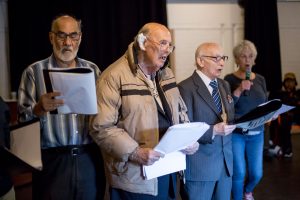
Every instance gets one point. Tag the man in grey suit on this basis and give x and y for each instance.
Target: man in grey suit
(209, 170)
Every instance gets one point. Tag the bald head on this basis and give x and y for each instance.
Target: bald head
(206, 49)
(152, 27)
(210, 59)
(64, 19)
(149, 30)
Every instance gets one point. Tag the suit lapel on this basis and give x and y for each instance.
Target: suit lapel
(223, 96)
(204, 93)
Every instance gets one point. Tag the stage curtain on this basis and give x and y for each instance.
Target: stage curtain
(108, 28)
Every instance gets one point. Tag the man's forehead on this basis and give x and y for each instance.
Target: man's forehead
(213, 49)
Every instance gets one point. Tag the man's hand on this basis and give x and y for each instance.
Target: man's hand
(145, 156)
(48, 103)
(191, 149)
(223, 129)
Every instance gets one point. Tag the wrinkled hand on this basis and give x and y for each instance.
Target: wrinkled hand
(223, 129)
(145, 156)
(191, 149)
(49, 103)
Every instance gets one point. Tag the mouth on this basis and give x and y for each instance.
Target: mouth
(66, 50)
(164, 58)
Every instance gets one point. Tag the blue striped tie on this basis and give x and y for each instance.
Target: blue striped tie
(216, 95)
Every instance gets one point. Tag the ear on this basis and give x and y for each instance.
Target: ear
(199, 61)
(141, 38)
(51, 37)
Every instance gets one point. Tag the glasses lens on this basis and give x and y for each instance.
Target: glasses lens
(74, 36)
(166, 45)
(217, 59)
(224, 58)
(63, 36)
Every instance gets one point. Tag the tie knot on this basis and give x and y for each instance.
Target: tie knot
(213, 84)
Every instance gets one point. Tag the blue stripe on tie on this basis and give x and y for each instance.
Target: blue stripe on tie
(216, 95)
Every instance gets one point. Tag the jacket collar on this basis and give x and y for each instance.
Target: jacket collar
(203, 92)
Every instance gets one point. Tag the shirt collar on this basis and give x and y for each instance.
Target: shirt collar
(205, 78)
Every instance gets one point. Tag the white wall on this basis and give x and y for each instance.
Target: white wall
(289, 23)
(194, 23)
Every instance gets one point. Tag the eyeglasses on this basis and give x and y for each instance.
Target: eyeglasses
(163, 45)
(63, 36)
(217, 59)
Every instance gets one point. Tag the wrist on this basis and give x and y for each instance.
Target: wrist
(39, 110)
(42, 108)
(134, 155)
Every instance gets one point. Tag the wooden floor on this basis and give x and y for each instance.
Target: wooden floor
(281, 180)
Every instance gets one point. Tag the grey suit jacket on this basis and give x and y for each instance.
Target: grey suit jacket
(208, 162)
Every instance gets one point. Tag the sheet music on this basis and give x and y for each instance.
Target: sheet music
(172, 162)
(175, 139)
(265, 118)
(78, 89)
(180, 136)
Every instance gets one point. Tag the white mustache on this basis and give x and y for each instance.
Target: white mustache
(66, 49)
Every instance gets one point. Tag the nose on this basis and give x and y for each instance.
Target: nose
(222, 62)
(68, 41)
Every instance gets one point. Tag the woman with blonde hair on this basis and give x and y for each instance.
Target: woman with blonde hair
(248, 91)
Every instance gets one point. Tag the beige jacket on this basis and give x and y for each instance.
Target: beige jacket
(127, 118)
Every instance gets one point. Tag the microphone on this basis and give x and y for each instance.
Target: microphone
(248, 74)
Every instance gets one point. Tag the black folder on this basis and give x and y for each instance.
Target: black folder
(259, 115)
(260, 111)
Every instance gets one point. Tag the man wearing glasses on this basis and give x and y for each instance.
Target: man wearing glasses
(208, 99)
(72, 163)
(138, 100)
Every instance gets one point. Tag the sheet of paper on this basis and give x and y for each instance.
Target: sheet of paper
(172, 162)
(264, 119)
(78, 90)
(255, 122)
(25, 144)
(176, 138)
(284, 108)
(180, 136)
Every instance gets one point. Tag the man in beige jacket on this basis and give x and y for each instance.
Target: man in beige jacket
(137, 101)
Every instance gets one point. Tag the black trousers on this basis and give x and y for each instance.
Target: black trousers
(285, 134)
(70, 173)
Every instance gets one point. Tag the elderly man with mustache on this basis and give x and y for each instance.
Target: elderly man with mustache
(72, 163)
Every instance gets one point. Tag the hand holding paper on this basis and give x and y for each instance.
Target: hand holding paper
(145, 156)
(191, 149)
(77, 88)
(177, 138)
(48, 103)
(223, 129)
